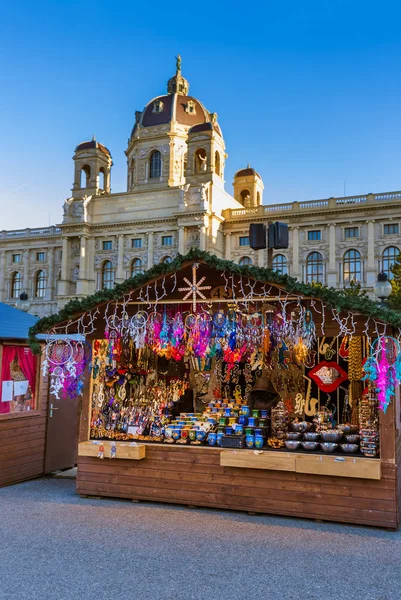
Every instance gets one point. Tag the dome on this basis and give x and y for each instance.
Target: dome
(92, 144)
(249, 171)
(205, 127)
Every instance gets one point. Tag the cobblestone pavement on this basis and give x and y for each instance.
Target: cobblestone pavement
(56, 545)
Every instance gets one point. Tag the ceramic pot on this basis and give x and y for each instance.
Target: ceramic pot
(223, 421)
(256, 413)
(219, 438)
(214, 409)
(262, 422)
(248, 431)
(176, 434)
(192, 435)
(252, 422)
(184, 434)
(227, 412)
(245, 411)
(242, 420)
(232, 421)
(200, 435)
(212, 439)
(250, 441)
(229, 430)
(264, 414)
(239, 430)
(258, 431)
(259, 441)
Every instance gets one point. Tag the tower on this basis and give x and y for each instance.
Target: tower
(92, 169)
(248, 187)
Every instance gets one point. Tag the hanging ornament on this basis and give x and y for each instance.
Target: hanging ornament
(195, 288)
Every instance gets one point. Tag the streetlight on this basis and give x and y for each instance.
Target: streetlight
(23, 302)
(382, 288)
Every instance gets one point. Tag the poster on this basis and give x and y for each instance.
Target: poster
(20, 388)
(7, 391)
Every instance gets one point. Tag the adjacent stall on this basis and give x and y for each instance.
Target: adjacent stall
(209, 384)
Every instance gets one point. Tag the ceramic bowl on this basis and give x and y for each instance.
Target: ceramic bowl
(352, 439)
(292, 444)
(311, 436)
(333, 436)
(328, 447)
(310, 445)
(302, 426)
(291, 435)
(349, 448)
(347, 428)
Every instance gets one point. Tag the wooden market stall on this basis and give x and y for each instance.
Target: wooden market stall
(235, 387)
(23, 400)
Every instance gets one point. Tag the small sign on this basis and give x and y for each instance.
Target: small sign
(7, 391)
(20, 388)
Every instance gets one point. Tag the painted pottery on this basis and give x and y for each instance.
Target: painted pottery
(176, 434)
(252, 422)
(219, 438)
(259, 441)
(264, 414)
(212, 439)
(239, 430)
(192, 435)
(200, 435)
(229, 430)
(245, 411)
(242, 420)
(248, 431)
(256, 413)
(250, 441)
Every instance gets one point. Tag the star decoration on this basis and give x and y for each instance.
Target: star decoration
(195, 288)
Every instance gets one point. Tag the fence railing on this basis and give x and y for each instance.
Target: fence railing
(53, 230)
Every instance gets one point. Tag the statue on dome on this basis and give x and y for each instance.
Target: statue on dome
(178, 63)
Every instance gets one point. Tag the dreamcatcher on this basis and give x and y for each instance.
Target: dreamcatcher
(383, 368)
(65, 363)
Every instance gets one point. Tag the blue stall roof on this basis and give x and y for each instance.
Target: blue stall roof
(14, 323)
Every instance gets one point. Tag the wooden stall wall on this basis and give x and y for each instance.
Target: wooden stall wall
(22, 440)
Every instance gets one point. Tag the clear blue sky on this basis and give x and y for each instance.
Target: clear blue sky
(307, 92)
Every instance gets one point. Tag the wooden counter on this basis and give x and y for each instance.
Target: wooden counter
(289, 485)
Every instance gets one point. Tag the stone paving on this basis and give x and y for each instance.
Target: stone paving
(58, 546)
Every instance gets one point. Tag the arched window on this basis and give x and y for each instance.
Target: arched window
(352, 266)
(166, 259)
(280, 264)
(155, 165)
(136, 267)
(40, 284)
(85, 176)
(388, 260)
(107, 275)
(200, 160)
(314, 268)
(258, 198)
(245, 198)
(217, 164)
(131, 174)
(245, 260)
(15, 285)
(102, 179)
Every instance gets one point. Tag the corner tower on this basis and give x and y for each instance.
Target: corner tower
(248, 187)
(92, 169)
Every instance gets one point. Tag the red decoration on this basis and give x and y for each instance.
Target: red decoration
(328, 387)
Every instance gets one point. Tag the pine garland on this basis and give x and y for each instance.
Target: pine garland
(338, 299)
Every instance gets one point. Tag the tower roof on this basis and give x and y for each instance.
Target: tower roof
(92, 144)
(249, 171)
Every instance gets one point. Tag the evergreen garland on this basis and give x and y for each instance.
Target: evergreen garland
(341, 300)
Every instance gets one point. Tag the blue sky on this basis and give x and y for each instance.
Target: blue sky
(308, 93)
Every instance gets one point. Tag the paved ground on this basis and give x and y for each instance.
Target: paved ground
(55, 545)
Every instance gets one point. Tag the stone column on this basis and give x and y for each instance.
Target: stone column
(90, 265)
(371, 274)
(25, 280)
(227, 246)
(295, 252)
(181, 240)
(150, 249)
(82, 277)
(261, 258)
(203, 238)
(120, 260)
(50, 282)
(332, 275)
(64, 284)
(3, 280)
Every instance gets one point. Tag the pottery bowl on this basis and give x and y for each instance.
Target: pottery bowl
(328, 447)
(302, 426)
(291, 435)
(349, 448)
(348, 428)
(311, 436)
(352, 439)
(332, 436)
(310, 445)
(292, 444)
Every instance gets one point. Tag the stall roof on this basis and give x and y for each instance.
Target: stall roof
(342, 300)
(14, 323)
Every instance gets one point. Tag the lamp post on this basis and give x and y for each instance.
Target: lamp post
(23, 302)
(382, 288)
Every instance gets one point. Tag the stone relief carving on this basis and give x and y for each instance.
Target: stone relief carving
(77, 209)
(193, 195)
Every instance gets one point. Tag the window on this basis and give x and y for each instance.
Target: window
(166, 259)
(136, 267)
(107, 245)
(314, 267)
(15, 285)
(388, 260)
(155, 165)
(190, 107)
(107, 275)
(200, 160)
(244, 240)
(20, 365)
(391, 229)
(351, 232)
(102, 179)
(16, 258)
(280, 264)
(40, 284)
(245, 260)
(136, 243)
(167, 240)
(315, 235)
(41, 256)
(158, 106)
(246, 198)
(352, 266)
(217, 163)
(85, 176)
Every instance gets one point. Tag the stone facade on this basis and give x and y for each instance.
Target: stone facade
(175, 200)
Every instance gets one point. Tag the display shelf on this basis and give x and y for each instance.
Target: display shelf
(340, 466)
(124, 450)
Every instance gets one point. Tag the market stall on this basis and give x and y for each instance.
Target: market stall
(209, 384)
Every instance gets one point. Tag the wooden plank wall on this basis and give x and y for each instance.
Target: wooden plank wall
(22, 441)
(193, 476)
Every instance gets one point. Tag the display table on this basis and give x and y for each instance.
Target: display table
(357, 490)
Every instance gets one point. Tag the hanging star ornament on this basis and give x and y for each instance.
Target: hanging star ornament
(195, 288)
